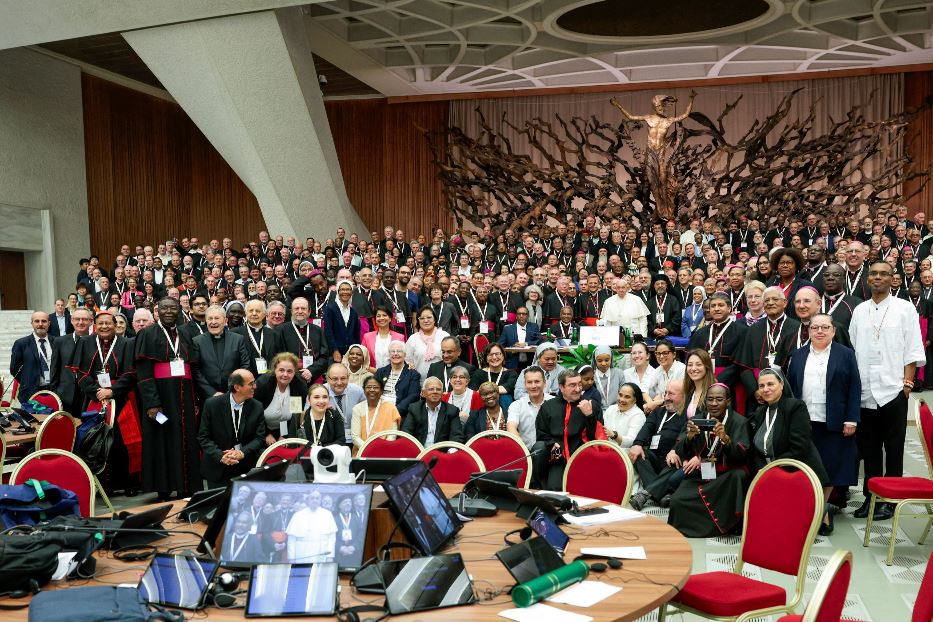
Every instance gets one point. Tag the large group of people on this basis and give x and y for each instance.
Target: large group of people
(800, 339)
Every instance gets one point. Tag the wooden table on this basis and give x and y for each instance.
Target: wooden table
(23, 439)
(645, 583)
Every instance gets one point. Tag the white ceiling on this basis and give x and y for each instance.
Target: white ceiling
(411, 47)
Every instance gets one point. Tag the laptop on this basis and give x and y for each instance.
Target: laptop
(149, 520)
(380, 469)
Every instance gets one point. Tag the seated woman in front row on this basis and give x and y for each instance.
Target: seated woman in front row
(373, 415)
(710, 500)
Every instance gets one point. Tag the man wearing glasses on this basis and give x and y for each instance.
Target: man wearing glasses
(232, 432)
(197, 325)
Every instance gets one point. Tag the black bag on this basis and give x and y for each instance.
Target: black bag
(95, 446)
(32, 559)
(95, 604)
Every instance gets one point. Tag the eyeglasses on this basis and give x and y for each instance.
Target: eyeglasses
(662, 352)
(819, 328)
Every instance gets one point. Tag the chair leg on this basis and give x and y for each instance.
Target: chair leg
(926, 530)
(891, 539)
(871, 514)
(103, 494)
(662, 612)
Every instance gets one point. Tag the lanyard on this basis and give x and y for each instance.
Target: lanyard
(712, 449)
(769, 425)
(736, 300)
(236, 415)
(715, 342)
(498, 419)
(460, 304)
(665, 419)
(661, 301)
(104, 359)
(772, 342)
(315, 430)
(594, 300)
(391, 298)
(371, 424)
(498, 378)
(832, 308)
(850, 284)
(304, 340)
(262, 337)
(173, 346)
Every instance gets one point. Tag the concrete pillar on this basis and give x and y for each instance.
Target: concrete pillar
(249, 83)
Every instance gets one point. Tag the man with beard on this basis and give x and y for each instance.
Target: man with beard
(836, 303)
(103, 364)
(304, 340)
(167, 395)
(260, 339)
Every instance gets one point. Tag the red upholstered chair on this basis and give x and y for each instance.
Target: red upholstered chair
(62, 468)
(282, 449)
(6, 402)
(498, 448)
(829, 595)
(7, 468)
(480, 342)
(391, 444)
(601, 470)
(452, 468)
(47, 399)
(902, 491)
(923, 607)
(777, 536)
(58, 431)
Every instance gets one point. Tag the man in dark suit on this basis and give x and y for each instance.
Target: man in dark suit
(260, 339)
(217, 354)
(430, 420)
(60, 321)
(305, 340)
(450, 358)
(244, 546)
(520, 334)
(31, 358)
(63, 380)
(232, 433)
(195, 326)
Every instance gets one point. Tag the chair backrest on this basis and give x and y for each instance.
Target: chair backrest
(62, 468)
(829, 594)
(480, 341)
(284, 448)
(452, 468)
(57, 432)
(497, 448)
(923, 607)
(925, 430)
(601, 470)
(778, 535)
(47, 399)
(391, 444)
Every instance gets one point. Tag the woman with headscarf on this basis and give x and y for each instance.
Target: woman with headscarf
(664, 312)
(606, 378)
(547, 359)
(341, 321)
(624, 419)
(710, 500)
(357, 362)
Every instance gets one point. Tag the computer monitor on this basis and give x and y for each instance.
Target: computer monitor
(530, 559)
(424, 583)
(430, 521)
(296, 523)
(292, 590)
(176, 580)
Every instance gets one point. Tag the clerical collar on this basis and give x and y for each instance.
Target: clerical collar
(777, 319)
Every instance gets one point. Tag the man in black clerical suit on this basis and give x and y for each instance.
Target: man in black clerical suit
(430, 420)
(217, 354)
(63, 380)
(260, 339)
(305, 340)
(232, 432)
(243, 546)
(450, 358)
(196, 326)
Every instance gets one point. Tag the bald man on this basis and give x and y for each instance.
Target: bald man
(141, 319)
(63, 381)
(431, 420)
(260, 339)
(31, 357)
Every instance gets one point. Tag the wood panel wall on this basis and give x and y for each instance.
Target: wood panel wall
(386, 163)
(152, 175)
(918, 86)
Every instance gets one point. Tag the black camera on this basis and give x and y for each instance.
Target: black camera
(706, 425)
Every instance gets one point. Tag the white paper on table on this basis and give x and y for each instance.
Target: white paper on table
(584, 594)
(66, 565)
(614, 514)
(619, 552)
(379, 488)
(540, 612)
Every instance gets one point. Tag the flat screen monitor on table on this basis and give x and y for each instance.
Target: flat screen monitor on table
(423, 583)
(430, 521)
(176, 580)
(292, 590)
(296, 523)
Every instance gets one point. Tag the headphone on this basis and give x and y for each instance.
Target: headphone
(223, 590)
(524, 533)
(352, 614)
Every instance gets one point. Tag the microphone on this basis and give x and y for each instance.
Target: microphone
(197, 503)
(468, 505)
(469, 485)
(369, 579)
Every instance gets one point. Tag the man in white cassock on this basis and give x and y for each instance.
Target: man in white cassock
(624, 309)
(312, 533)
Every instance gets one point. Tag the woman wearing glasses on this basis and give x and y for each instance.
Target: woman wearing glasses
(669, 368)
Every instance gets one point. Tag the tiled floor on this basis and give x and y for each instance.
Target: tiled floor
(878, 593)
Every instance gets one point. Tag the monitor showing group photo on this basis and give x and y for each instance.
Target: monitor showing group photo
(296, 523)
(430, 521)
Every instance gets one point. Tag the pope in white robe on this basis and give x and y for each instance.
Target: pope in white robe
(312, 533)
(624, 309)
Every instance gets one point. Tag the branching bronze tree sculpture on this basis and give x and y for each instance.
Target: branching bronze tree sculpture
(778, 168)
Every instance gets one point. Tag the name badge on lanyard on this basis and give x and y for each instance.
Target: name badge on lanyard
(707, 470)
(483, 328)
(261, 366)
(103, 380)
(655, 441)
(306, 361)
(771, 358)
(659, 317)
(399, 317)
(464, 321)
(176, 367)
(317, 322)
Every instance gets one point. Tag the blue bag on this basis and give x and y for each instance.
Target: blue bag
(34, 502)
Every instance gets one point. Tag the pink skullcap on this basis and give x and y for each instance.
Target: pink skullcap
(815, 290)
(720, 384)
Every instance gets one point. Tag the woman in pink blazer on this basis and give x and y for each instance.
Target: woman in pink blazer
(377, 341)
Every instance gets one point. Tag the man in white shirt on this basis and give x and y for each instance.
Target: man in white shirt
(885, 334)
(625, 310)
(523, 412)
